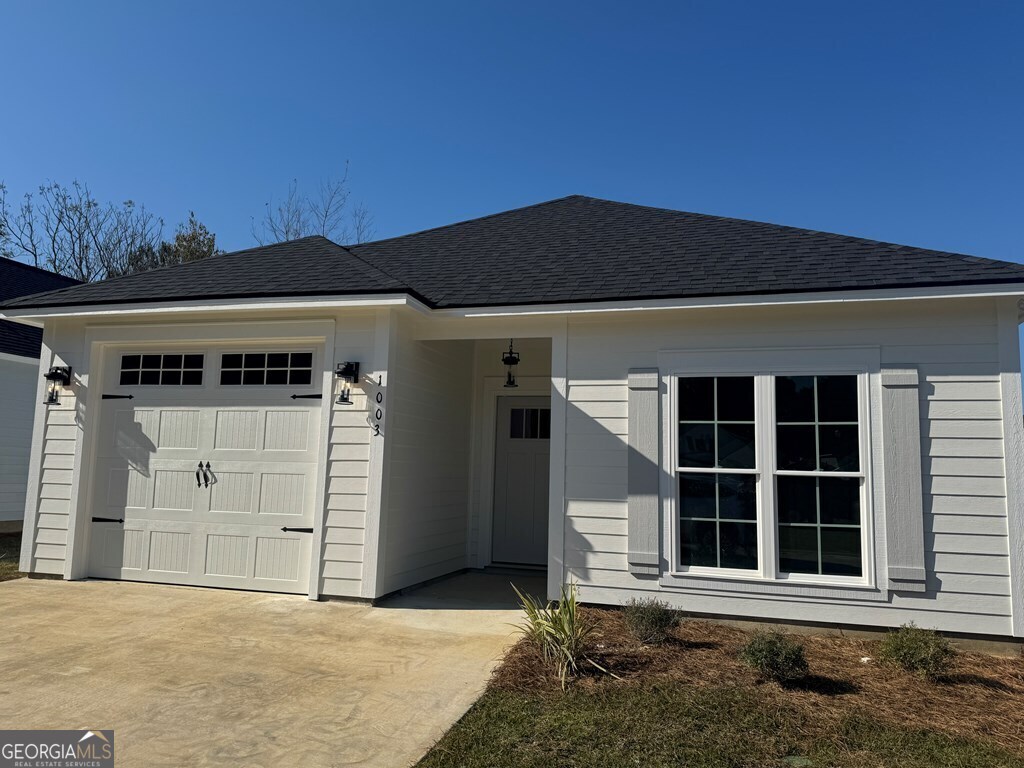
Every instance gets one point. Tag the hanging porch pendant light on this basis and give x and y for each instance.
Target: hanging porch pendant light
(510, 360)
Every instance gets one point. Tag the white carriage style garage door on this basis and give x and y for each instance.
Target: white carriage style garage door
(206, 474)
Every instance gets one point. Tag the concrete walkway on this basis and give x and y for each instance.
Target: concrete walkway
(220, 678)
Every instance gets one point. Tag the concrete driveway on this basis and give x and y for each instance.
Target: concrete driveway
(210, 677)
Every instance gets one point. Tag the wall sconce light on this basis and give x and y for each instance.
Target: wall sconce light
(349, 374)
(58, 376)
(510, 359)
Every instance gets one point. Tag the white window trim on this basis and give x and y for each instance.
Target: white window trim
(764, 364)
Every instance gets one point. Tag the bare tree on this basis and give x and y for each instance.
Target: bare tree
(192, 242)
(328, 213)
(66, 230)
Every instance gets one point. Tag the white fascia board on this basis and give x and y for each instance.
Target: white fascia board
(31, 316)
(36, 316)
(760, 300)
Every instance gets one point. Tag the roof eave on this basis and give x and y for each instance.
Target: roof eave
(37, 315)
(739, 300)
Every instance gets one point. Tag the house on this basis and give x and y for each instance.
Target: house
(739, 418)
(19, 371)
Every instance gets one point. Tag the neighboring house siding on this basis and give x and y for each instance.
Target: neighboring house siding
(954, 346)
(18, 384)
(424, 526)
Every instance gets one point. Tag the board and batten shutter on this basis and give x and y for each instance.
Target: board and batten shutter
(904, 494)
(644, 475)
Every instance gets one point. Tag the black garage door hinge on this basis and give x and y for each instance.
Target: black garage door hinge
(108, 519)
(286, 529)
(117, 397)
(307, 397)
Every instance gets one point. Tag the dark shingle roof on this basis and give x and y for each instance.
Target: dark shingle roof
(573, 249)
(309, 266)
(17, 279)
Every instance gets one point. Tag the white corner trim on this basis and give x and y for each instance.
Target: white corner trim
(556, 479)
(1013, 447)
(316, 559)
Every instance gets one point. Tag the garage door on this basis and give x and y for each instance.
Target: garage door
(206, 467)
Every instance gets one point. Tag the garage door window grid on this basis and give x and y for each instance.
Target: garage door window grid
(162, 370)
(266, 368)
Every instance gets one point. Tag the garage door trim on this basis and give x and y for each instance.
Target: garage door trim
(103, 339)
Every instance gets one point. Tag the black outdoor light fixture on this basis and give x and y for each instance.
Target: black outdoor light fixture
(510, 360)
(58, 376)
(349, 374)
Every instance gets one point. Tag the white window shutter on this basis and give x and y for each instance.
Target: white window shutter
(644, 472)
(904, 494)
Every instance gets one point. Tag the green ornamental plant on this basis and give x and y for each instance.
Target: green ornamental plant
(650, 620)
(775, 656)
(920, 651)
(560, 631)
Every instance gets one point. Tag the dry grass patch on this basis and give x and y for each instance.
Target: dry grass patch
(10, 551)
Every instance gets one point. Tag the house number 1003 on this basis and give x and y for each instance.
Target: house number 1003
(378, 412)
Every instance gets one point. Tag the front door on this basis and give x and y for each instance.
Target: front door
(522, 450)
(205, 475)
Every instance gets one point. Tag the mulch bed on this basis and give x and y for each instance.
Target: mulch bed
(982, 696)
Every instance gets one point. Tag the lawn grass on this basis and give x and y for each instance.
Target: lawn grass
(10, 551)
(658, 726)
(691, 702)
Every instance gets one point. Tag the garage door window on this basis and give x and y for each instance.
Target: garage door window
(266, 368)
(161, 370)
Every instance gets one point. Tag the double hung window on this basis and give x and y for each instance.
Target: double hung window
(769, 476)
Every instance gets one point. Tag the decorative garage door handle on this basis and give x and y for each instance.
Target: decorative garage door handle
(286, 529)
(108, 519)
(205, 481)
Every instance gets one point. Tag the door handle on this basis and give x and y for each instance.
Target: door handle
(199, 483)
(206, 478)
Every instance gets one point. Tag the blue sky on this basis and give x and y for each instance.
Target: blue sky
(899, 121)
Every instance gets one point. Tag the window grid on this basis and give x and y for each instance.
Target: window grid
(266, 368)
(717, 471)
(530, 423)
(172, 369)
(818, 473)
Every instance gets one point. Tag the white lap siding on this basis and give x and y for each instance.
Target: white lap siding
(349, 461)
(56, 447)
(19, 378)
(424, 522)
(954, 346)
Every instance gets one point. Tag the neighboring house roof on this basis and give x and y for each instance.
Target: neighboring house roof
(570, 250)
(17, 279)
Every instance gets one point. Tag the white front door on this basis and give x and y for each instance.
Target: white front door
(520, 529)
(210, 483)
